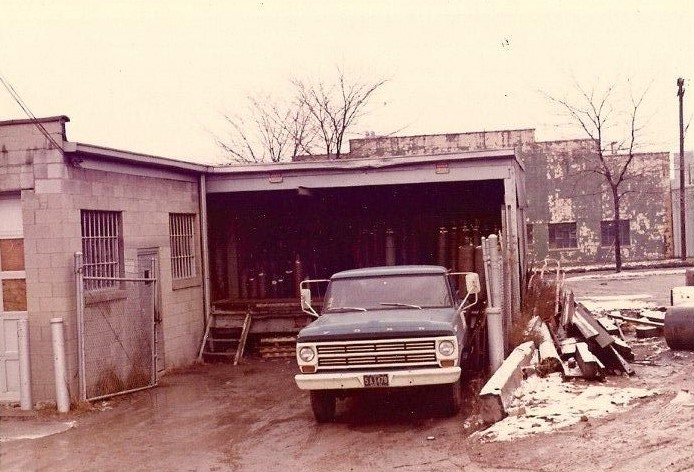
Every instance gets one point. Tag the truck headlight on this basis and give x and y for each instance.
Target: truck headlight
(446, 348)
(307, 354)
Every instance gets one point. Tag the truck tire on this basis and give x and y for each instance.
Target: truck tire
(451, 398)
(323, 404)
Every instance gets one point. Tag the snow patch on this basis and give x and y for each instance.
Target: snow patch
(544, 405)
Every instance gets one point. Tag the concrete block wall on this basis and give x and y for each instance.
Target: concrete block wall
(53, 193)
(438, 143)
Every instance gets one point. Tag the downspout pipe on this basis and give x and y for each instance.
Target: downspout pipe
(205, 249)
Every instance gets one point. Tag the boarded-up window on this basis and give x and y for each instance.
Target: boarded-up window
(607, 233)
(102, 247)
(562, 235)
(182, 239)
(11, 254)
(14, 295)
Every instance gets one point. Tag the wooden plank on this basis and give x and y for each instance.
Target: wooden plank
(242, 340)
(602, 337)
(11, 254)
(14, 295)
(609, 325)
(285, 339)
(623, 348)
(568, 347)
(623, 364)
(589, 364)
(643, 321)
(276, 355)
(648, 331)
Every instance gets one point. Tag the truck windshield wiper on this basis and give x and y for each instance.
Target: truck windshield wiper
(339, 309)
(407, 305)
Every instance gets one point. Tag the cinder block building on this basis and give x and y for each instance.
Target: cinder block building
(121, 210)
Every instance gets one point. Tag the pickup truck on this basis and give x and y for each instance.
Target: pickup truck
(381, 328)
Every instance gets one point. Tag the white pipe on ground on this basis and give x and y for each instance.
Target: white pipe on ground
(62, 396)
(25, 400)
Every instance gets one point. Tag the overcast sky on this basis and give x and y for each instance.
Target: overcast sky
(156, 77)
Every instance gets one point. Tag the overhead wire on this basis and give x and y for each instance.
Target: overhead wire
(17, 98)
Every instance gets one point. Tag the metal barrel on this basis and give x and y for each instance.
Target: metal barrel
(679, 327)
(441, 251)
(479, 268)
(390, 247)
(452, 248)
(298, 275)
(466, 258)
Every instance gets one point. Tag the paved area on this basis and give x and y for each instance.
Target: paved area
(253, 418)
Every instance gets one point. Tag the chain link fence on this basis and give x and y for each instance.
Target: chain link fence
(116, 334)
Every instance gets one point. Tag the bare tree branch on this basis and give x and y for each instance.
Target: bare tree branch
(593, 112)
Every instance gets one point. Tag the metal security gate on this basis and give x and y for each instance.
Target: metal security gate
(116, 332)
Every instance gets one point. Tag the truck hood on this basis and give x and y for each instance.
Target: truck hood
(388, 323)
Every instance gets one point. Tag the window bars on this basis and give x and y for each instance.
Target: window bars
(181, 234)
(102, 247)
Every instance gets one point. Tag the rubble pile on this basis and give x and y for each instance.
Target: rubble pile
(574, 343)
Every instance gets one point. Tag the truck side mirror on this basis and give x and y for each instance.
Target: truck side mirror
(306, 299)
(472, 283)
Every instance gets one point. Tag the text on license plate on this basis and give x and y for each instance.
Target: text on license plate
(376, 380)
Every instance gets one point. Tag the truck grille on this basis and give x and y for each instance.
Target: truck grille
(398, 353)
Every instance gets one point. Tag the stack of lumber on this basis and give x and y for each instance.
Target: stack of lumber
(590, 346)
(273, 347)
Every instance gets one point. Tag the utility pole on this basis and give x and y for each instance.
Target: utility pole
(683, 233)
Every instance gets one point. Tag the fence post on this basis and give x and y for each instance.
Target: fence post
(495, 323)
(62, 396)
(79, 293)
(25, 400)
(155, 341)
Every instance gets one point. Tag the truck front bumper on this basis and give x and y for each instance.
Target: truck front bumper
(397, 378)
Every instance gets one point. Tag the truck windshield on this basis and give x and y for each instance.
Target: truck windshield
(390, 292)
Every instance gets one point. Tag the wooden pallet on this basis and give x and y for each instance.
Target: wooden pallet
(277, 347)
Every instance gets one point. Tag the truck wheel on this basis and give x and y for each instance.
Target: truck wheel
(451, 398)
(323, 405)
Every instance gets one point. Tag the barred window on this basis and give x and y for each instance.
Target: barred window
(562, 235)
(181, 234)
(607, 233)
(102, 247)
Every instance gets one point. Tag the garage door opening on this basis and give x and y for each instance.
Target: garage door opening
(264, 243)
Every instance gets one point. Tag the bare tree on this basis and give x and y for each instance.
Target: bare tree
(595, 113)
(269, 131)
(315, 121)
(335, 108)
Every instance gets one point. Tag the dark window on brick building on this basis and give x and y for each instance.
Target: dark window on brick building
(529, 232)
(607, 233)
(562, 235)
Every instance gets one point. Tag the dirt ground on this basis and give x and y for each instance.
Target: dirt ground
(253, 418)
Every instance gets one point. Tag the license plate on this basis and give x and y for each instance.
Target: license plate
(376, 380)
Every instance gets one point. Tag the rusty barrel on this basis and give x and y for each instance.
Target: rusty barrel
(679, 327)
